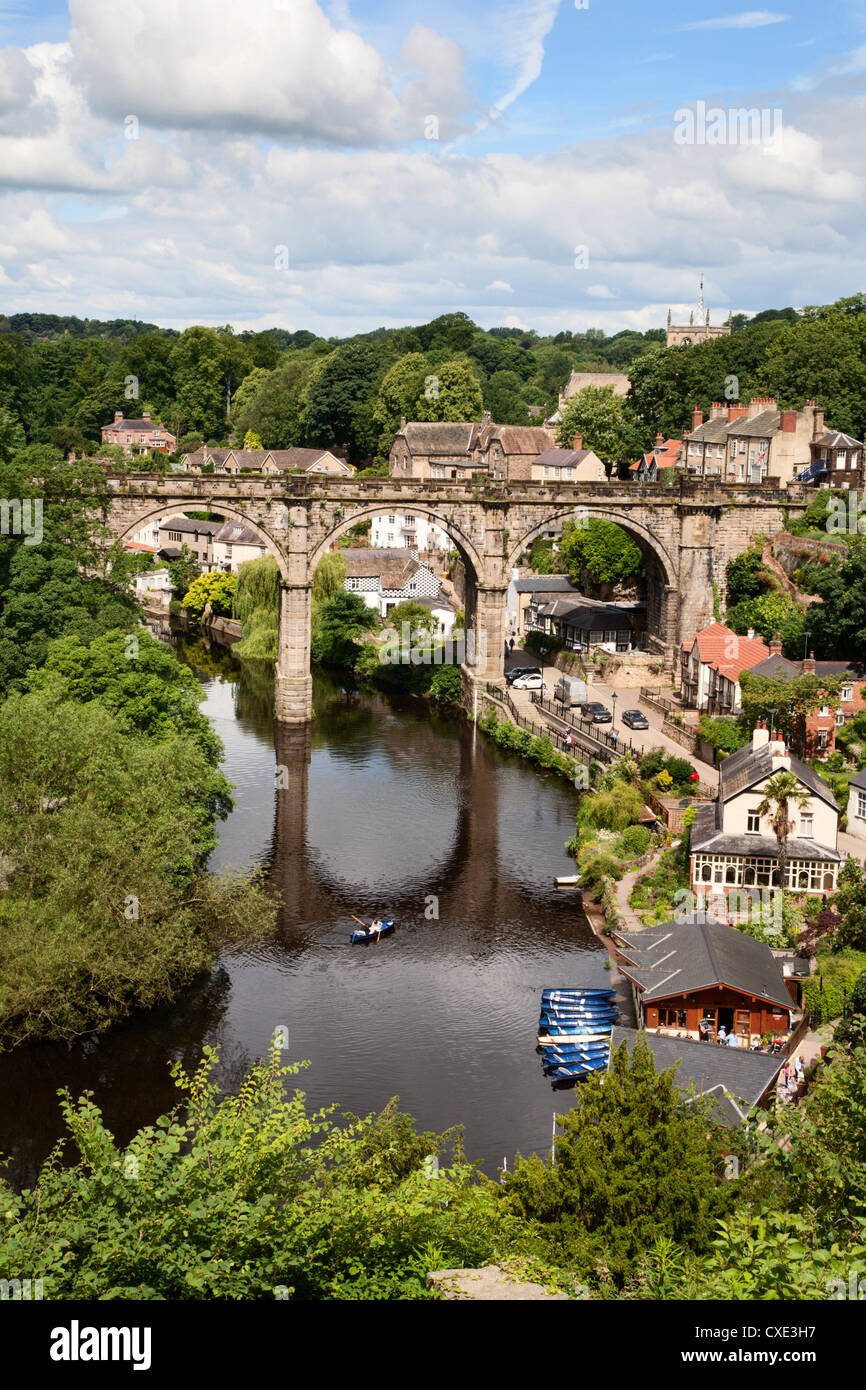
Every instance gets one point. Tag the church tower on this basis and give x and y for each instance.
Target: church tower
(697, 330)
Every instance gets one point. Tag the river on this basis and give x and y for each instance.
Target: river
(381, 807)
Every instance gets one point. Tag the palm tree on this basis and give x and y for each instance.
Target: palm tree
(782, 794)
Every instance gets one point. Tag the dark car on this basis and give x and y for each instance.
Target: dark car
(596, 712)
(516, 671)
(633, 719)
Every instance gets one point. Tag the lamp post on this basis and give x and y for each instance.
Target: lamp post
(772, 713)
(613, 699)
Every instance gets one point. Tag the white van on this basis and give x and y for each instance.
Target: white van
(570, 691)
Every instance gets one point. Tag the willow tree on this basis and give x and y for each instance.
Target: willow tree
(257, 607)
(782, 794)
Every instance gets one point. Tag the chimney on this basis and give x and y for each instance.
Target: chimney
(819, 421)
(402, 422)
(145, 415)
(781, 758)
(760, 736)
(736, 412)
(485, 419)
(809, 665)
(788, 421)
(118, 416)
(697, 417)
(758, 404)
(717, 410)
(578, 441)
(659, 440)
(776, 644)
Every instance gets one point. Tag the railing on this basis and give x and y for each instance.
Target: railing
(654, 696)
(496, 693)
(587, 728)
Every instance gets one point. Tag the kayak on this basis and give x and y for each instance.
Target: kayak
(386, 928)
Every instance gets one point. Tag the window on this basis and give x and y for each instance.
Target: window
(825, 710)
(732, 448)
(672, 1018)
(807, 826)
(753, 823)
(391, 520)
(410, 520)
(742, 446)
(841, 459)
(840, 719)
(847, 692)
(822, 738)
(861, 805)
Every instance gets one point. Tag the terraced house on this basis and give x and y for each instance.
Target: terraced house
(754, 442)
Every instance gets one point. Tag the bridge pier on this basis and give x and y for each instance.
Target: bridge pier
(293, 684)
(485, 637)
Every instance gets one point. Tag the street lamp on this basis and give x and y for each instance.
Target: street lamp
(772, 713)
(613, 720)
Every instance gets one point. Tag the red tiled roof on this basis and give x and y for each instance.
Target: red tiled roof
(720, 648)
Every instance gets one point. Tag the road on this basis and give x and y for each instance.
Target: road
(627, 698)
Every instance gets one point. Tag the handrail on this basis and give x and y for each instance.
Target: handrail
(589, 730)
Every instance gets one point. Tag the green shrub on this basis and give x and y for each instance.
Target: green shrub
(446, 685)
(823, 1004)
(652, 763)
(598, 867)
(614, 808)
(634, 841)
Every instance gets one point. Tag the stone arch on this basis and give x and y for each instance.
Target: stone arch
(663, 592)
(640, 532)
(178, 508)
(367, 511)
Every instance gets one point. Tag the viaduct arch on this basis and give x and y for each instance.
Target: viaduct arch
(687, 533)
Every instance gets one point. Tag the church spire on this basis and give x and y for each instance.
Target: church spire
(701, 299)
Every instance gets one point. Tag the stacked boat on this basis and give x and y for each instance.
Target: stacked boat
(574, 1031)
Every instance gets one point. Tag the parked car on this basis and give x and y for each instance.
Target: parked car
(633, 719)
(531, 681)
(596, 712)
(570, 691)
(517, 671)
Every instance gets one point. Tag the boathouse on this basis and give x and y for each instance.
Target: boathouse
(692, 978)
(736, 1081)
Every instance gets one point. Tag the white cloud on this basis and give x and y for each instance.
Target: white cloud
(600, 292)
(502, 285)
(746, 19)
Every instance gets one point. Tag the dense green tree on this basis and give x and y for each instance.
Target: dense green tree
(502, 397)
(396, 397)
(786, 703)
(633, 1164)
(197, 365)
(216, 589)
(341, 400)
(745, 577)
(336, 623)
(768, 614)
(839, 623)
(328, 578)
(822, 357)
(600, 552)
(450, 392)
(605, 422)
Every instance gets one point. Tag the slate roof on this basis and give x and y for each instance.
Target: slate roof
(545, 584)
(699, 953)
(517, 439)
(392, 567)
(777, 668)
(760, 426)
(587, 617)
(749, 766)
(142, 424)
(707, 837)
(236, 533)
(562, 458)
(710, 432)
(735, 1078)
(859, 780)
(439, 436)
(835, 439)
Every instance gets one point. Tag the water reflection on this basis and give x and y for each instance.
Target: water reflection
(385, 809)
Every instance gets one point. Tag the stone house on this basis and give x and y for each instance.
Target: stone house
(837, 462)
(234, 544)
(385, 577)
(577, 465)
(734, 848)
(751, 443)
(175, 532)
(463, 449)
(269, 461)
(141, 433)
(711, 665)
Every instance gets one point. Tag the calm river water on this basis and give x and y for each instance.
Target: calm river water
(386, 810)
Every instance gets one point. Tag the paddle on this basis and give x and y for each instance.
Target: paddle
(364, 925)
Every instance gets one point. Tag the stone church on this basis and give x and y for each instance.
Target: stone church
(697, 332)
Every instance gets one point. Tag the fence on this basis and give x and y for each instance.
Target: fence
(496, 695)
(655, 697)
(611, 741)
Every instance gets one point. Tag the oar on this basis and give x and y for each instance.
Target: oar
(357, 919)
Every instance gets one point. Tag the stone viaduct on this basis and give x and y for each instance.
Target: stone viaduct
(686, 533)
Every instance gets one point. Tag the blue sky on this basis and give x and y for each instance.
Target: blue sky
(306, 125)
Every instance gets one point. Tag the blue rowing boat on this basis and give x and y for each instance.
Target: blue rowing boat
(368, 935)
(574, 1069)
(577, 993)
(576, 1019)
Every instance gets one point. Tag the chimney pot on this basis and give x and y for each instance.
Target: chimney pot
(578, 441)
(697, 417)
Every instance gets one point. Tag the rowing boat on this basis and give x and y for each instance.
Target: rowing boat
(369, 935)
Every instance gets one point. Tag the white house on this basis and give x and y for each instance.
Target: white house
(733, 846)
(155, 584)
(234, 544)
(408, 530)
(857, 805)
(386, 577)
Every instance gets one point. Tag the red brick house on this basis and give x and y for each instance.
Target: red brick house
(818, 733)
(143, 434)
